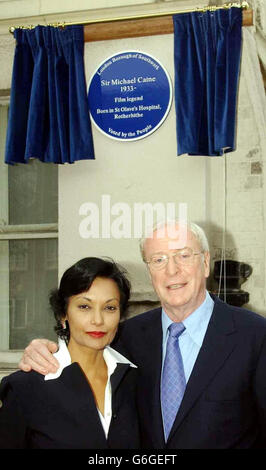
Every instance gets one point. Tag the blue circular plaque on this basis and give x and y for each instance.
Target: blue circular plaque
(129, 95)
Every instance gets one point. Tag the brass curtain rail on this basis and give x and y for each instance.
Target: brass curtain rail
(154, 19)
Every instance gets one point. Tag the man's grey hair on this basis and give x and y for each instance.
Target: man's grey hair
(190, 226)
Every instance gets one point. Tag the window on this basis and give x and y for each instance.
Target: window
(28, 249)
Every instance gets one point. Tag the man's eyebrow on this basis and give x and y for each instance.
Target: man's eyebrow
(165, 252)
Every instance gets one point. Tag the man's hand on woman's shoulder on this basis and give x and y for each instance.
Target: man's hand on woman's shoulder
(38, 356)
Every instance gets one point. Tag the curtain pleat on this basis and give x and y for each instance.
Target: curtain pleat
(207, 52)
(49, 115)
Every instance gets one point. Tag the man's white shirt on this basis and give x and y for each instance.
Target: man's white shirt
(190, 341)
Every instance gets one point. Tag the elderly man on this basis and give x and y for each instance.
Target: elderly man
(202, 363)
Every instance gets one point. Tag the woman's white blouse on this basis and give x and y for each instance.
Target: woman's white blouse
(112, 358)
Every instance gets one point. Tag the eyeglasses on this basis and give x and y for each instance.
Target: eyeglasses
(185, 257)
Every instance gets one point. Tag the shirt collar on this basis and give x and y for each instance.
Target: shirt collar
(111, 357)
(64, 359)
(196, 323)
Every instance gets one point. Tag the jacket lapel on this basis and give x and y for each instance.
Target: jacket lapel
(151, 377)
(217, 346)
(118, 375)
(78, 393)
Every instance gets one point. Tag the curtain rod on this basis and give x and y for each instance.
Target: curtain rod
(244, 5)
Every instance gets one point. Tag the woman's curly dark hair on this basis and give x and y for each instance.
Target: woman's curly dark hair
(78, 278)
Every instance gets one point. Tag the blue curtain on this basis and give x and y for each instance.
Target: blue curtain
(207, 48)
(48, 114)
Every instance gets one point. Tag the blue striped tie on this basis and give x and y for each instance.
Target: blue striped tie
(173, 379)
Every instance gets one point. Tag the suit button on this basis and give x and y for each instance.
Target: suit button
(114, 416)
(1, 403)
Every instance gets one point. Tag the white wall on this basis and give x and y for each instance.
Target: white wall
(143, 171)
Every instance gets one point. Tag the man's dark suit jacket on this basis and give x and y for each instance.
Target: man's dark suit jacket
(224, 405)
(61, 413)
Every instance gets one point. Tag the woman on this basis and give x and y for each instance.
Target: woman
(89, 402)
